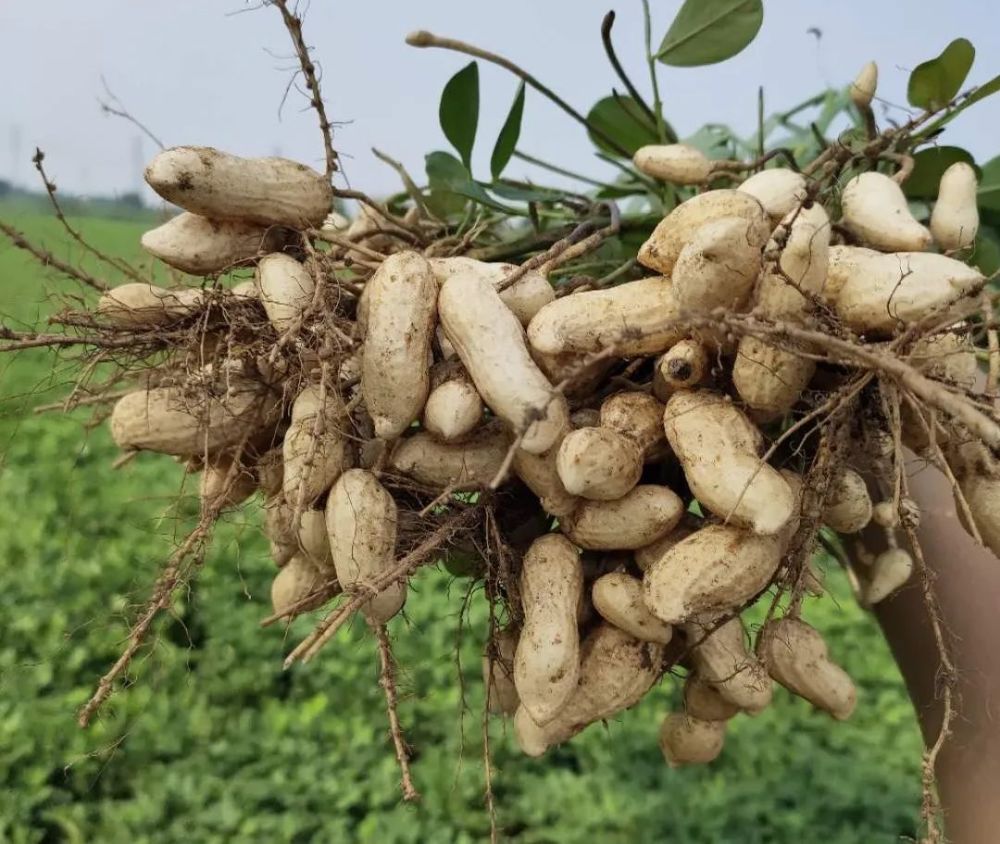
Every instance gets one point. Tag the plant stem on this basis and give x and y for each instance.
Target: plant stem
(666, 134)
(422, 38)
(609, 48)
(563, 172)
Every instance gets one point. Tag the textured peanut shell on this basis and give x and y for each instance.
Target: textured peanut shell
(796, 656)
(779, 190)
(293, 583)
(710, 438)
(598, 463)
(843, 261)
(882, 291)
(675, 231)
(271, 191)
(395, 370)
(955, 218)
(617, 597)
(714, 570)
(314, 540)
(453, 409)
(285, 288)
(703, 701)
(686, 740)
(949, 357)
(200, 246)
(718, 266)
(503, 699)
(525, 297)
(492, 346)
(138, 305)
(677, 163)
(312, 463)
(848, 506)
(616, 670)
(982, 493)
(164, 420)
(217, 490)
(875, 210)
(539, 473)
(547, 659)
(636, 318)
(891, 570)
(638, 416)
(864, 85)
(475, 460)
(649, 554)
(642, 516)
(722, 660)
(361, 524)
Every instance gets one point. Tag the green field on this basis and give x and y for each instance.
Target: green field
(212, 742)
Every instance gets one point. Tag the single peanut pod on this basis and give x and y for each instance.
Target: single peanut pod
(718, 266)
(649, 554)
(474, 461)
(598, 463)
(848, 506)
(864, 85)
(285, 288)
(843, 261)
(675, 231)
(709, 436)
(617, 596)
(540, 475)
(271, 191)
(525, 297)
(616, 670)
(797, 657)
(955, 218)
(703, 701)
(885, 514)
(293, 583)
(677, 163)
(875, 209)
(200, 246)
(361, 524)
(883, 291)
(982, 494)
(634, 318)
(638, 416)
(771, 379)
(164, 420)
(713, 571)
(395, 374)
(547, 659)
(316, 448)
(498, 674)
(686, 740)
(492, 346)
(453, 409)
(641, 516)
(891, 570)
(280, 530)
(314, 540)
(223, 485)
(779, 190)
(723, 660)
(682, 366)
(138, 305)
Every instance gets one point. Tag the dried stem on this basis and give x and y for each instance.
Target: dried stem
(387, 681)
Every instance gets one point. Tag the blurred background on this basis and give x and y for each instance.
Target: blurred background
(212, 742)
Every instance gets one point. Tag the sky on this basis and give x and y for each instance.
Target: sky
(214, 72)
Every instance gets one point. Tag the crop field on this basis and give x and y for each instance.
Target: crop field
(213, 742)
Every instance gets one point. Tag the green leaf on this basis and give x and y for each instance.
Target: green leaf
(934, 83)
(710, 31)
(509, 134)
(981, 93)
(928, 166)
(459, 111)
(986, 254)
(449, 177)
(621, 118)
(989, 185)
